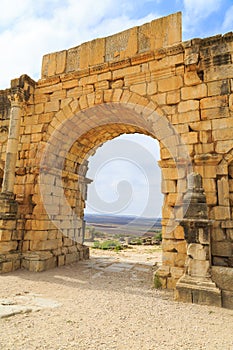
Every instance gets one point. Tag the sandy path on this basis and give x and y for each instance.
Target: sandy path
(109, 303)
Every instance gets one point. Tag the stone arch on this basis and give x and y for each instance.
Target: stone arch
(60, 166)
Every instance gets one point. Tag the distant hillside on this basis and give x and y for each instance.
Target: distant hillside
(109, 221)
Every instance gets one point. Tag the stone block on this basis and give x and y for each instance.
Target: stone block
(122, 73)
(223, 277)
(159, 98)
(6, 266)
(37, 245)
(168, 186)
(223, 134)
(213, 102)
(222, 249)
(173, 97)
(183, 295)
(191, 78)
(92, 53)
(67, 242)
(198, 268)
(207, 297)
(171, 283)
(227, 299)
(17, 235)
(188, 106)
(218, 87)
(61, 62)
(151, 88)
(177, 272)
(218, 234)
(51, 62)
(71, 258)
(39, 266)
(206, 171)
(190, 138)
(171, 83)
(222, 73)
(209, 185)
(194, 92)
(5, 235)
(231, 102)
(36, 235)
(139, 88)
(8, 224)
(102, 85)
(198, 251)
(214, 113)
(201, 125)
(9, 246)
(163, 271)
(61, 260)
(52, 106)
(179, 232)
(221, 213)
(169, 258)
(229, 233)
(187, 117)
(223, 192)
(172, 173)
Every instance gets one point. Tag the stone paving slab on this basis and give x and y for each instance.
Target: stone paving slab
(24, 304)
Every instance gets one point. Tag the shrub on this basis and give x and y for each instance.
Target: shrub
(158, 236)
(157, 282)
(106, 245)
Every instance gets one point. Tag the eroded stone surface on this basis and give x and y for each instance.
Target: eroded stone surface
(138, 81)
(25, 303)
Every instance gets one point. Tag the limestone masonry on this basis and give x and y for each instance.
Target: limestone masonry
(143, 80)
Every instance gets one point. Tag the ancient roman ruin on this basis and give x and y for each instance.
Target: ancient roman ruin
(143, 80)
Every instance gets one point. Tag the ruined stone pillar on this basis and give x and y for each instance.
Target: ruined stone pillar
(196, 285)
(12, 146)
(9, 235)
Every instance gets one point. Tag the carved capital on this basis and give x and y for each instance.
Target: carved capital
(16, 97)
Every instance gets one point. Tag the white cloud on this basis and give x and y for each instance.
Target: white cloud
(31, 29)
(195, 12)
(228, 20)
(127, 179)
(200, 9)
(12, 10)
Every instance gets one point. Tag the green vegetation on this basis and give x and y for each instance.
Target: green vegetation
(158, 236)
(157, 282)
(109, 244)
(136, 241)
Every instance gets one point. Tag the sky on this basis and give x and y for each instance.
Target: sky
(30, 29)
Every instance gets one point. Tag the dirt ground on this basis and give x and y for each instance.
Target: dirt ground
(105, 303)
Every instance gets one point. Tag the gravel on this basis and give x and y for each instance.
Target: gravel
(109, 303)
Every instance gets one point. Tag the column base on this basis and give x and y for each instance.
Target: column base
(198, 291)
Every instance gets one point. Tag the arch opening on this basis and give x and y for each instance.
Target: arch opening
(125, 188)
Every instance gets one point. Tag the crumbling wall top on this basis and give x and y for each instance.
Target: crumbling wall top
(162, 32)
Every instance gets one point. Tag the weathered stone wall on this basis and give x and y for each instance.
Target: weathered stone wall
(142, 80)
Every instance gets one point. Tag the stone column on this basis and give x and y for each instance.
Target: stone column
(196, 285)
(9, 235)
(7, 203)
(12, 146)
